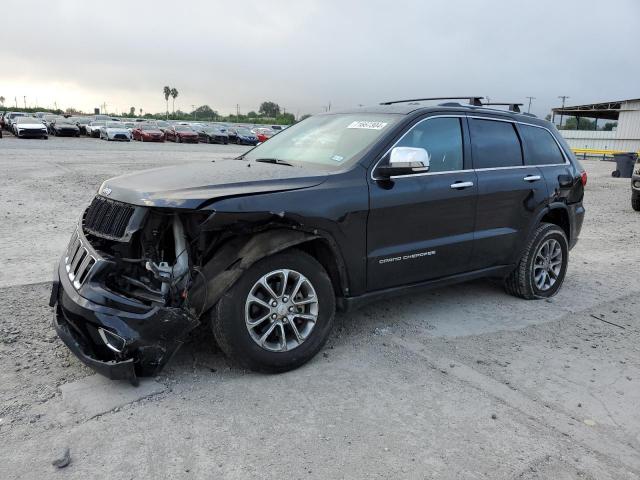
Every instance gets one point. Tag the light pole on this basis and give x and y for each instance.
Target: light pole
(530, 99)
(564, 98)
(195, 115)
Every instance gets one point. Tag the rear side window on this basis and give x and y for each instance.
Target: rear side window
(495, 144)
(541, 148)
(442, 139)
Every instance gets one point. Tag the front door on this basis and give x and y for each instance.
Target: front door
(420, 226)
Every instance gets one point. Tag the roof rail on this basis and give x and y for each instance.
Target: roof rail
(513, 107)
(473, 100)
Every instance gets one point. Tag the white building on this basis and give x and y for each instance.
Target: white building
(626, 136)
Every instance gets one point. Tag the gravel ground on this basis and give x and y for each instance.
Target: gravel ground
(462, 382)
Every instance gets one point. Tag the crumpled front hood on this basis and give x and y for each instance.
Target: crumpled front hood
(192, 185)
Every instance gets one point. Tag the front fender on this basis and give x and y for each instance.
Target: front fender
(234, 258)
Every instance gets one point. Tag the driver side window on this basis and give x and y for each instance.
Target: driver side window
(442, 139)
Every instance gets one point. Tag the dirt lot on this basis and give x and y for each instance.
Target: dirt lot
(462, 382)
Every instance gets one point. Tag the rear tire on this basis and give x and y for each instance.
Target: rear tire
(635, 201)
(233, 312)
(539, 273)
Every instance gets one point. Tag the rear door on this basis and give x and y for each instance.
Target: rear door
(420, 226)
(510, 193)
(542, 149)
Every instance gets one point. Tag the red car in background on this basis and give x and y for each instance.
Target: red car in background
(263, 134)
(147, 133)
(181, 133)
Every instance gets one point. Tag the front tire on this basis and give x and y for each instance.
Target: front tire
(635, 201)
(278, 315)
(543, 265)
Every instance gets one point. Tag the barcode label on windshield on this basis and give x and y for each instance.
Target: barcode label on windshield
(368, 125)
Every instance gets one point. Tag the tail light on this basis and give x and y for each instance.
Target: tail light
(583, 178)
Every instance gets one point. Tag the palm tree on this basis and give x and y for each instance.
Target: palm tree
(174, 94)
(2, 99)
(167, 94)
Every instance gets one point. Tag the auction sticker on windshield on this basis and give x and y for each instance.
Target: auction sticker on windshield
(368, 125)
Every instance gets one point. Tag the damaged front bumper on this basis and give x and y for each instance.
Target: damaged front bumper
(114, 335)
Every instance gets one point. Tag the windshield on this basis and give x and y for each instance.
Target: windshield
(97, 124)
(244, 131)
(162, 123)
(330, 140)
(114, 125)
(183, 128)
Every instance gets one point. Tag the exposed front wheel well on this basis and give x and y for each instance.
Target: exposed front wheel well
(559, 217)
(322, 252)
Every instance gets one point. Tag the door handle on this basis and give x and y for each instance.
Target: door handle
(531, 178)
(461, 185)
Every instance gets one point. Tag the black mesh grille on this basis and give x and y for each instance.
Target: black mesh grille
(107, 218)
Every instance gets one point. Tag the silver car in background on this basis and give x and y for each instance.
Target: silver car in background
(93, 129)
(115, 131)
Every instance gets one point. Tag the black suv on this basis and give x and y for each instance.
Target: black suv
(337, 210)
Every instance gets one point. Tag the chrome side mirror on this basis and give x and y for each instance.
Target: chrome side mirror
(405, 161)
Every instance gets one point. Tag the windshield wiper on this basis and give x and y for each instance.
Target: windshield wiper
(273, 160)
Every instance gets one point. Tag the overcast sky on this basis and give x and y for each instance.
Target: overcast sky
(304, 54)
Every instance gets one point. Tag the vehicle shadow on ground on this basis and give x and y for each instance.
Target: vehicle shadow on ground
(404, 314)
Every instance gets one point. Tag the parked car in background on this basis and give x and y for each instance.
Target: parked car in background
(48, 120)
(64, 127)
(82, 123)
(181, 133)
(162, 125)
(115, 131)
(29, 127)
(93, 129)
(232, 134)
(244, 136)
(9, 118)
(277, 128)
(263, 134)
(213, 134)
(146, 132)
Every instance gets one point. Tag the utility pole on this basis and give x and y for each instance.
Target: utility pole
(564, 98)
(195, 115)
(237, 111)
(530, 99)
(24, 99)
(16, 100)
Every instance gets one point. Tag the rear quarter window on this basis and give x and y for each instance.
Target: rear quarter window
(540, 146)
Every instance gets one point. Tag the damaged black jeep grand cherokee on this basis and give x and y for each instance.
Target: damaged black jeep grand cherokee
(339, 209)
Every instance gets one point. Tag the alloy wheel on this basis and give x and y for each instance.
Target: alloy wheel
(281, 310)
(547, 264)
